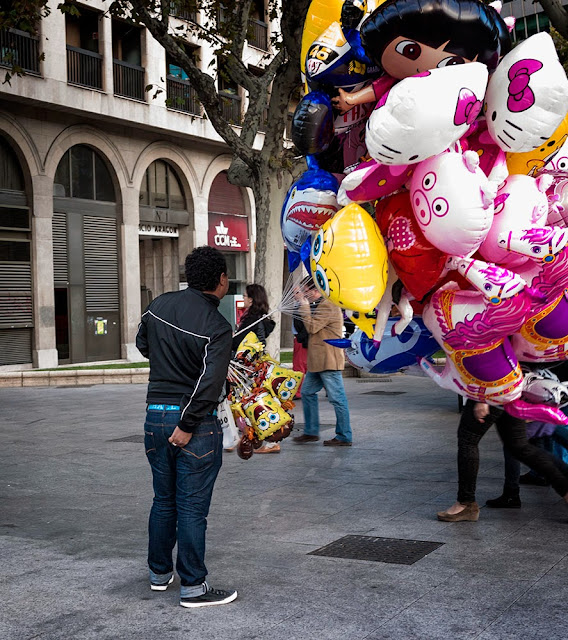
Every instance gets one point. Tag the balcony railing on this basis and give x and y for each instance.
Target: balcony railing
(258, 34)
(182, 96)
(128, 80)
(84, 68)
(178, 11)
(231, 107)
(19, 49)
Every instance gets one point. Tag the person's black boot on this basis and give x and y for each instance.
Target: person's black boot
(530, 478)
(504, 502)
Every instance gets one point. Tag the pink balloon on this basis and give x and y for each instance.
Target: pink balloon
(520, 203)
(452, 200)
(371, 181)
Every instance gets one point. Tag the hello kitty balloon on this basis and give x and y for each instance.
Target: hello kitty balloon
(521, 203)
(425, 114)
(452, 200)
(527, 96)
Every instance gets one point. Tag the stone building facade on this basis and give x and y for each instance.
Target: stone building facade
(104, 188)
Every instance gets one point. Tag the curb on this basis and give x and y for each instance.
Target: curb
(73, 377)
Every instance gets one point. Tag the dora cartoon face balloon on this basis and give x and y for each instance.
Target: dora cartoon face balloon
(407, 37)
(283, 383)
(348, 260)
(265, 414)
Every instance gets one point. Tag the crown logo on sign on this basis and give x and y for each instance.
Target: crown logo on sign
(221, 229)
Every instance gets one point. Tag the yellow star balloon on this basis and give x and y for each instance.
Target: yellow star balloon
(349, 260)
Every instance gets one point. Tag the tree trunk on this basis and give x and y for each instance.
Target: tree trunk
(557, 15)
(269, 192)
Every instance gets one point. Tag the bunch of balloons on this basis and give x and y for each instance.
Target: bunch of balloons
(261, 396)
(420, 112)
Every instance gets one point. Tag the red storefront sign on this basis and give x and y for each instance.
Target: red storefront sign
(228, 232)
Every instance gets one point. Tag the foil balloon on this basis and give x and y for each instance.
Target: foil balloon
(531, 162)
(472, 328)
(527, 96)
(520, 203)
(282, 383)
(544, 336)
(423, 115)
(416, 261)
(409, 37)
(492, 160)
(321, 14)
(452, 200)
(371, 181)
(250, 348)
(265, 414)
(396, 352)
(348, 260)
(310, 202)
(312, 123)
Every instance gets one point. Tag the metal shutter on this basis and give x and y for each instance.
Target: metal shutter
(60, 262)
(225, 197)
(15, 294)
(101, 265)
(15, 346)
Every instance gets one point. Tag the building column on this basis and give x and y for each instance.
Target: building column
(201, 219)
(130, 300)
(105, 49)
(44, 352)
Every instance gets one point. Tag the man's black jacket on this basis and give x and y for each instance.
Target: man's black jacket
(188, 343)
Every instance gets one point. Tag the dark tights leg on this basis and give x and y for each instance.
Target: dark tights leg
(470, 432)
(514, 435)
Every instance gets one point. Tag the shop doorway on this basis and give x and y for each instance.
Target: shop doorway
(85, 259)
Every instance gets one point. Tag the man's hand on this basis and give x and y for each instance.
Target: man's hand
(480, 411)
(180, 438)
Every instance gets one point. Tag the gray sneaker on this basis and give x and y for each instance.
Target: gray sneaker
(209, 598)
(161, 587)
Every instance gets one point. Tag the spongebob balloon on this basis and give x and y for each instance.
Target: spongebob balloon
(348, 260)
(265, 414)
(283, 383)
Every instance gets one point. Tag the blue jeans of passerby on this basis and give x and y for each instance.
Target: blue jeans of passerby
(332, 381)
(183, 480)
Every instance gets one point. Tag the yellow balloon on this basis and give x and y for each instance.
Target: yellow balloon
(282, 383)
(529, 162)
(321, 14)
(349, 261)
(265, 414)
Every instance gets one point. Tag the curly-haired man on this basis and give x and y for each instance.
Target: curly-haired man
(188, 343)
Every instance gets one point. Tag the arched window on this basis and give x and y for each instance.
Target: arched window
(161, 187)
(82, 173)
(16, 300)
(11, 176)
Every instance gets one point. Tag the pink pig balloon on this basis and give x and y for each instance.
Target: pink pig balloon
(521, 203)
(452, 200)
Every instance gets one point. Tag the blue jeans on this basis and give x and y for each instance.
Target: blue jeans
(183, 481)
(332, 381)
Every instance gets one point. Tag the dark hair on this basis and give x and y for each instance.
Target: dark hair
(259, 306)
(472, 28)
(204, 267)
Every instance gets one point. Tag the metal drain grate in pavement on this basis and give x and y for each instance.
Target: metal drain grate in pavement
(390, 550)
(382, 393)
(139, 437)
(375, 379)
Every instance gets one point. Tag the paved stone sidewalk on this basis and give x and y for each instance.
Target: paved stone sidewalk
(73, 513)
